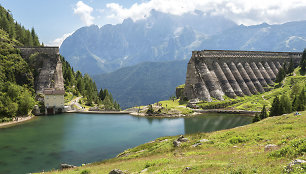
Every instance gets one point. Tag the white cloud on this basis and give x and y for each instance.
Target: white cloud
(241, 11)
(84, 11)
(59, 41)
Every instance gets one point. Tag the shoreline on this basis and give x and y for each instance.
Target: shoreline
(98, 112)
(13, 123)
(196, 113)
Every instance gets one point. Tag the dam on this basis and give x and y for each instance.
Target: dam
(213, 74)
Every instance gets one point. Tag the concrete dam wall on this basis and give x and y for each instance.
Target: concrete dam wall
(215, 73)
(47, 64)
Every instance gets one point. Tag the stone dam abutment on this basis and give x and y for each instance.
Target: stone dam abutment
(213, 74)
(47, 64)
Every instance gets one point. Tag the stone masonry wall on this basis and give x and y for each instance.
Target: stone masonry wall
(215, 73)
(47, 64)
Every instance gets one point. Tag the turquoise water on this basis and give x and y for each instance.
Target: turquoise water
(46, 142)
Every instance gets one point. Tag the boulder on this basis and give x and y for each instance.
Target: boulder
(182, 139)
(116, 171)
(197, 144)
(270, 147)
(67, 166)
(294, 162)
(176, 143)
(204, 140)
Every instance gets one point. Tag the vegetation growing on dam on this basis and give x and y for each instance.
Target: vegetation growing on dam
(291, 86)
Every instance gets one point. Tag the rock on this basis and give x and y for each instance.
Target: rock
(270, 147)
(116, 171)
(187, 168)
(67, 166)
(144, 170)
(204, 140)
(164, 140)
(176, 143)
(182, 139)
(294, 162)
(197, 144)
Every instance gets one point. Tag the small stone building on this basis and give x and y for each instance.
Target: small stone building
(53, 100)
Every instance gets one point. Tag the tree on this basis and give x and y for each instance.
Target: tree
(290, 67)
(280, 75)
(150, 110)
(26, 103)
(303, 61)
(285, 104)
(34, 38)
(275, 108)
(256, 118)
(263, 114)
(301, 101)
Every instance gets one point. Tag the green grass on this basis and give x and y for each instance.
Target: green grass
(237, 150)
(176, 105)
(69, 97)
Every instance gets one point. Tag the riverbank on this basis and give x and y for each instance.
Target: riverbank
(16, 121)
(267, 146)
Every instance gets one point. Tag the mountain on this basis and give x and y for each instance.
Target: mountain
(290, 36)
(160, 37)
(144, 83)
(163, 37)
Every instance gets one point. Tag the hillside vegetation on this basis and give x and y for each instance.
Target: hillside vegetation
(291, 86)
(17, 75)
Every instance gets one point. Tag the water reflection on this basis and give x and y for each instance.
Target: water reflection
(45, 143)
(214, 122)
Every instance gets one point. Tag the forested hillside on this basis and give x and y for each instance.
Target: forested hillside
(77, 84)
(17, 75)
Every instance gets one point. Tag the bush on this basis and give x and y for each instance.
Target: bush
(237, 139)
(294, 149)
(85, 171)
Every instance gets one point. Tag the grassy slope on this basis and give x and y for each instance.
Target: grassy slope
(231, 151)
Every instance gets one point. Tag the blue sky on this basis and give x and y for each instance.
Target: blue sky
(54, 20)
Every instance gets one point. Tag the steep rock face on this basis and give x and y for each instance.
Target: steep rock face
(164, 37)
(160, 37)
(241, 73)
(47, 66)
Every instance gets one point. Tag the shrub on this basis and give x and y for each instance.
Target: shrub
(85, 171)
(294, 149)
(237, 139)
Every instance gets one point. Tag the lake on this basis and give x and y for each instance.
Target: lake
(47, 141)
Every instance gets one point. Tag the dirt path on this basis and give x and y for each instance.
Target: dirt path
(20, 120)
(76, 103)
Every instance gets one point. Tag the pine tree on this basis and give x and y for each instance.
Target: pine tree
(303, 61)
(34, 38)
(275, 108)
(263, 114)
(285, 104)
(256, 118)
(290, 67)
(280, 75)
(301, 101)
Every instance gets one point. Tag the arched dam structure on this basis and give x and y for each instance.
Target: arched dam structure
(215, 73)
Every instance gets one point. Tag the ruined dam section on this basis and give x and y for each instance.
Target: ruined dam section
(215, 73)
(47, 66)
